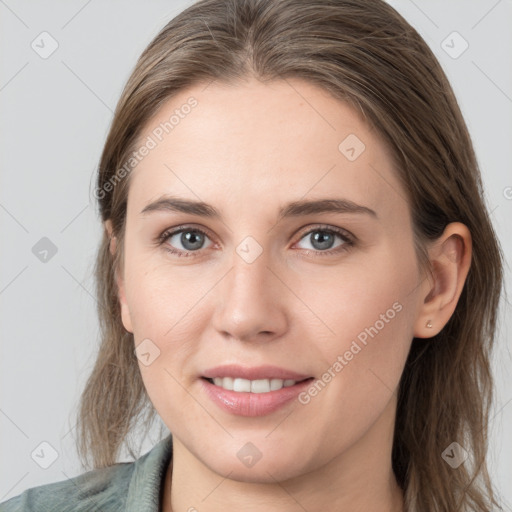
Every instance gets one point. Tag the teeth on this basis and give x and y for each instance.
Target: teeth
(253, 386)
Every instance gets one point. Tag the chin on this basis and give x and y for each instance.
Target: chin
(275, 468)
(261, 475)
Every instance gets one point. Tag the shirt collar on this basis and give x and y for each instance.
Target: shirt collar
(146, 485)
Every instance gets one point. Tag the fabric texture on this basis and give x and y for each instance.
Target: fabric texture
(128, 486)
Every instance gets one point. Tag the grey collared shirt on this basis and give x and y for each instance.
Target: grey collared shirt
(129, 486)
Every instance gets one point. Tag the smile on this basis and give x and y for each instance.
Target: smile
(252, 386)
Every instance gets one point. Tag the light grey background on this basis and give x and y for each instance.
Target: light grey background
(55, 113)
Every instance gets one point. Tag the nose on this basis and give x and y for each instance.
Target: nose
(251, 301)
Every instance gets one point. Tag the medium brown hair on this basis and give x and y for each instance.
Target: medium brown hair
(366, 54)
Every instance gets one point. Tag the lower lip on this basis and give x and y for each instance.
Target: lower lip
(252, 404)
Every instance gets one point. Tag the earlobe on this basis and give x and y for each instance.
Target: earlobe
(125, 316)
(125, 311)
(113, 239)
(450, 258)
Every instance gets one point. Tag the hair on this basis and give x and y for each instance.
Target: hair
(365, 54)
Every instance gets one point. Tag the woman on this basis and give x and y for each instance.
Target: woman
(298, 273)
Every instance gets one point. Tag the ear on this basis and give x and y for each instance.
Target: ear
(125, 311)
(450, 256)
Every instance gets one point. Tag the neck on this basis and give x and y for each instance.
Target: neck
(359, 479)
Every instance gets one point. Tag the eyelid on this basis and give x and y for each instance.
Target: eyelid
(183, 227)
(327, 227)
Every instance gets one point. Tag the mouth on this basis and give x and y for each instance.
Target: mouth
(252, 390)
(252, 398)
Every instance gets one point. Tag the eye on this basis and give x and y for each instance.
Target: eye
(322, 240)
(191, 240)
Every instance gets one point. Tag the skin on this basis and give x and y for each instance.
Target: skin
(248, 149)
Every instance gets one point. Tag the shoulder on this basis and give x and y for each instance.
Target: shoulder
(100, 489)
(128, 486)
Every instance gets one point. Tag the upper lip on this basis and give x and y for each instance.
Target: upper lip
(253, 373)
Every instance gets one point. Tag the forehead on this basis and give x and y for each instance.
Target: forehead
(262, 143)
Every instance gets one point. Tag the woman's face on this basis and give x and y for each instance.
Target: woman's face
(328, 291)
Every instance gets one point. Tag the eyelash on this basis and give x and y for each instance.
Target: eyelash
(348, 239)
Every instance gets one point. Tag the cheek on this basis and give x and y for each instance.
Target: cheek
(169, 309)
(371, 313)
(358, 380)
(361, 301)
(158, 298)
(166, 327)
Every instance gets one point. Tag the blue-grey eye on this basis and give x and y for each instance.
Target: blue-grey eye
(191, 240)
(323, 239)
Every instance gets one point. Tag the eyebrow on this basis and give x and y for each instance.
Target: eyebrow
(292, 209)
